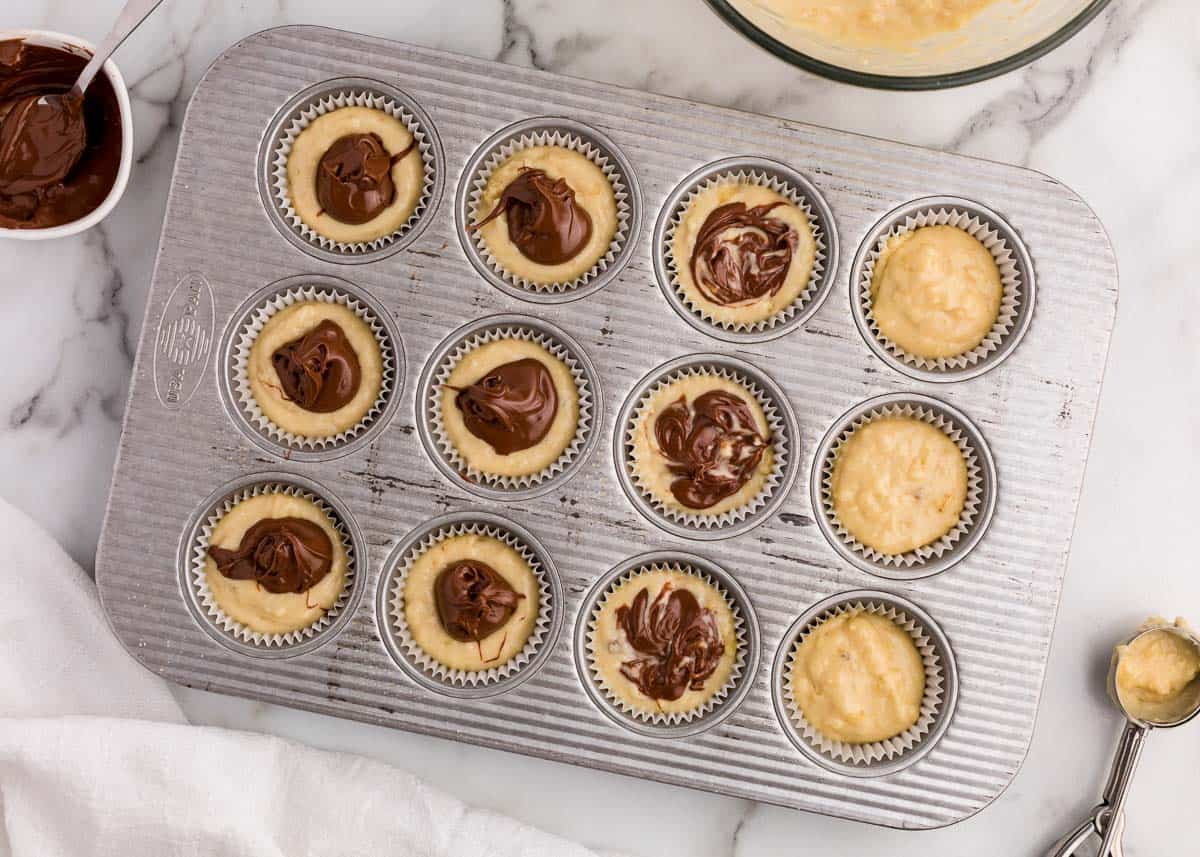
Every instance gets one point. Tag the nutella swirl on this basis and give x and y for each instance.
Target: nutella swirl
(319, 371)
(281, 554)
(742, 254)
(678, 643)
(473, 600)
(544, 221)
(511, 407)
(712, 445)
(354, 178)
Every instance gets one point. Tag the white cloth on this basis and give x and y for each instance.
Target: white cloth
(96, 757)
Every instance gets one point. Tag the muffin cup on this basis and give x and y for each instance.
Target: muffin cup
(723, 702)
(1016, 277)
(249, 320)
(297, 115)
(228, 631)
(977, 509)
(429, 407)
(937, 706)
(785, 440)
(782, 180)
(578, 137)
(421, 667)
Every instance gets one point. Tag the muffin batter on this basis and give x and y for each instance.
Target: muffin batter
(1156, 673)
(588, 188)
(287, 326)
(899, 483)
(247, 601)
(660, 475)
(476, 450)
(753, 262)
(858, 678)
(935, 291)
(421, 608)
(697, 664)
(314, 142)
(897, 24)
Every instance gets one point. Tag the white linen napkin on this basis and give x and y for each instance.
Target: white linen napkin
(96, 757)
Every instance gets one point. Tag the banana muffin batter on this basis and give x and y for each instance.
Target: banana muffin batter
(858, 678)
(1156, 673)
(898, 484)
(935, 291)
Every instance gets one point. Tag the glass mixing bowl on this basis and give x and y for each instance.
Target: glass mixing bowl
(1005, 36)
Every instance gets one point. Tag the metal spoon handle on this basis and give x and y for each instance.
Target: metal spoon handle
(131, 16)
(1120, 777)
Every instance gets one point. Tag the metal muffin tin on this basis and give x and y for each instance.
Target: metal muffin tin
(218, 246)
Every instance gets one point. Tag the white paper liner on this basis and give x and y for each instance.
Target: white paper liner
(552, 137)
(662, 718)
(1010, 280)
(781, 187)
(966, 520)
(198, 574)
(425, 662)
(780, 444)
(891, 748)
(251, 327)
(354, 96)
(446, 447)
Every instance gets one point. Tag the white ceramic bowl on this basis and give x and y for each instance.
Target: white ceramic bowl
(46, 38)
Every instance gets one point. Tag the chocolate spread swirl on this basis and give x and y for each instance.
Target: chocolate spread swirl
(473, 600)
(59, 157)
(282, 554)
(678, 642)
(713, 446)
(544, 221)
(742, 254)
(318, 371)
(354, 178)
(511, 407)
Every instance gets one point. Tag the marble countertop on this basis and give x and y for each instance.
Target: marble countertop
(1114, 114)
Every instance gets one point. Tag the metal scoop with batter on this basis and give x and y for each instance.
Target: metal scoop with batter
(1107, 819)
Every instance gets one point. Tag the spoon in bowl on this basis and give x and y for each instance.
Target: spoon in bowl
(42, 137)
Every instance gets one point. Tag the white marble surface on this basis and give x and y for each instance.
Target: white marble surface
(1115, 114)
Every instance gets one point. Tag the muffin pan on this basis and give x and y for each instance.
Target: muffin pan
(181, 442)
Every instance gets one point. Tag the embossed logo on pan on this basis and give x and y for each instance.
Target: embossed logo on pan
(183, 340)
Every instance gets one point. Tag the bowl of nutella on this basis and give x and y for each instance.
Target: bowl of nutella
(908, 44)
(53, 182)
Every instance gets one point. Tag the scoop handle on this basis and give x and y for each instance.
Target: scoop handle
(131, 16)
(1120, 778)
